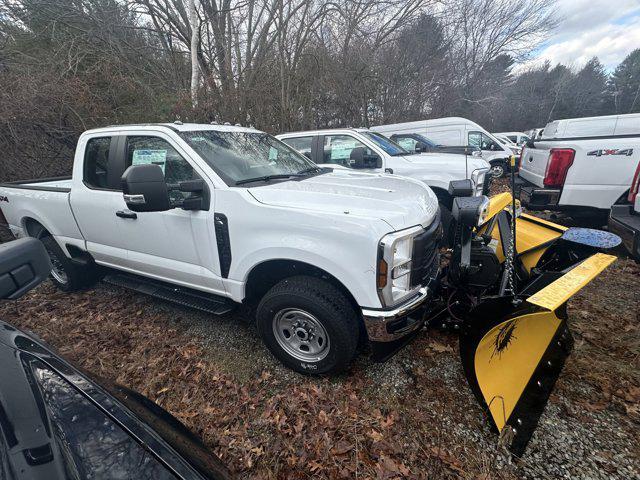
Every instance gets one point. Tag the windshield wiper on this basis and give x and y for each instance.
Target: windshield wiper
(266, 178)
(309, 170)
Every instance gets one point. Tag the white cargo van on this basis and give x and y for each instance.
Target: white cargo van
(455, 131)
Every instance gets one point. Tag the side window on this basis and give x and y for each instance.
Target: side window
(480, 140)
(155, 150)
(91, 445)
(407, 143)
(96, 162)
(337, 149)
(513, 138)
(475, 139)
(301, 144)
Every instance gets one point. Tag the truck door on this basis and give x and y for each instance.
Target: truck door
(96, 196)
(177, 245)
(336, 149)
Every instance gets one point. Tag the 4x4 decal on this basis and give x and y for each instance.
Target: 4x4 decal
(614, 151)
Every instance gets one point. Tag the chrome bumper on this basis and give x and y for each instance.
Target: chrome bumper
(390, 325)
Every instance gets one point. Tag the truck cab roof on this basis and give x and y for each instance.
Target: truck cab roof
(175, 127)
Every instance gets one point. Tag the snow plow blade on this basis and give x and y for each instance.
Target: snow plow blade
(513, 352)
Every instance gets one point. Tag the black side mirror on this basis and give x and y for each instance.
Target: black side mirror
(421, 148)
(461, 188)
(199, 198)
(24, 264)
(360, 159)
(144, 189)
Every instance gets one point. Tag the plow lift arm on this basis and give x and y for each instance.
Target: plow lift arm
(515, 339)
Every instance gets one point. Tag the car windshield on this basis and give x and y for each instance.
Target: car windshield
(243, 157)
(425, 140)
(388, 145)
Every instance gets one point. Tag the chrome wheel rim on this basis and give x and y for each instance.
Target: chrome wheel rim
(57, 272)
(497, 170)
(301, 335)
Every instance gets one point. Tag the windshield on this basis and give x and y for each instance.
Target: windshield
(425, 140)
(240, 157)
(388, 145)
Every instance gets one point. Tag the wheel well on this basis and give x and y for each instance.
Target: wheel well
(443, 197)
(34, 228)
(267, 274)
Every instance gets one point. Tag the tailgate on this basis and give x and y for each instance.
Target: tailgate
(534, 165)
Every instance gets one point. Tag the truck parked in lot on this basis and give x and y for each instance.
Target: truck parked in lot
(456, 131)
(338, 147)
(624, 219)
(581, 166)
(212, 215)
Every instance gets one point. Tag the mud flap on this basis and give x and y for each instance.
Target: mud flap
(512, 355)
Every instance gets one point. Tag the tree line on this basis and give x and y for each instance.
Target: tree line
(281, 65)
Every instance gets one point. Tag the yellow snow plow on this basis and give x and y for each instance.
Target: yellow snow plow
(506, 289)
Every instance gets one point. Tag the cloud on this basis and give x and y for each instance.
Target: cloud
(592, 28)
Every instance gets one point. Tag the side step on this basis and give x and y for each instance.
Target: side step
(172, 293)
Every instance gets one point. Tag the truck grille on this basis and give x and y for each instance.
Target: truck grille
(426, 255)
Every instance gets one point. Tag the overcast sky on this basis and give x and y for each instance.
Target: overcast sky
(607, 29)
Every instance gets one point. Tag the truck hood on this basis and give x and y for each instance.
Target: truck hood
(399, 202)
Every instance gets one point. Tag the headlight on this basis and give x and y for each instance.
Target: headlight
(394, 266)
(477, 176)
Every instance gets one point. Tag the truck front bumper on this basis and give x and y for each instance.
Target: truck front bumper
(393, 324)
(536, 198)
(625, 223)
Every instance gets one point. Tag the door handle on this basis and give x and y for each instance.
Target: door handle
(126, 214)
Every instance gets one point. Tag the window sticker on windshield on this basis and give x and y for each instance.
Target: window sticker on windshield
(155, 157)
(342, 150)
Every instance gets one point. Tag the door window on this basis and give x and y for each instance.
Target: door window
(157, 151)
(337, 149)
(96, 162)
(90, 443)
(482, 141)
(301, 144)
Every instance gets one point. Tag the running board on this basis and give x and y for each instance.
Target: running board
(173, 293)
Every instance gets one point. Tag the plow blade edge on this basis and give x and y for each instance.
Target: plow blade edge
(512, 355)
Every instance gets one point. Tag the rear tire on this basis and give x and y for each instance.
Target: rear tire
(309, 325)
(66, 275)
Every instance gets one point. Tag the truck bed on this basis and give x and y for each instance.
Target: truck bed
(45, 201)
(54, 184)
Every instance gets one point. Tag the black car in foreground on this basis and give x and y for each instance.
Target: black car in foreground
(58, 423)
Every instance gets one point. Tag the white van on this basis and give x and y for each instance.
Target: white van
(456, 131)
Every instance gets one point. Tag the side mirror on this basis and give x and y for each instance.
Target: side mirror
(360, 159)
(421, 148)
(461, 188)
(492, 146)
(199, 198)
(24, 264)
(144, 189)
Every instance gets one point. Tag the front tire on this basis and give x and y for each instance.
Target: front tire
(309, 325)
(498, 169)
(66, 275)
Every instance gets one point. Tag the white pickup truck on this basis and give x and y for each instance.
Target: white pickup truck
(214, 215)
(581, 166)
(368, 151)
